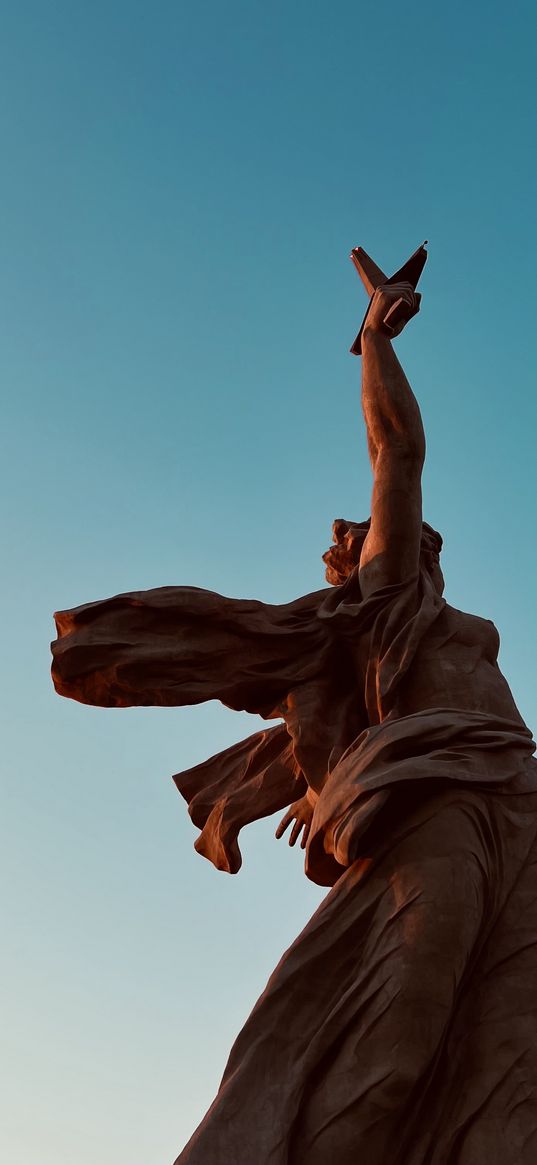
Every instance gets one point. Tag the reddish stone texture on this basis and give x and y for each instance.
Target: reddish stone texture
(401, 1026)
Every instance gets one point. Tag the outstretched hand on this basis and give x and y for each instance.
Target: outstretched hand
(301, 813)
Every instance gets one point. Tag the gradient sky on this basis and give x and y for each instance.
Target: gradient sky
(181, 186)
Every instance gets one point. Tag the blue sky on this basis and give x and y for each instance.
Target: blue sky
(181, 186)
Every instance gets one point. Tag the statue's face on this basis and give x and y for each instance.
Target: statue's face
(344, 555)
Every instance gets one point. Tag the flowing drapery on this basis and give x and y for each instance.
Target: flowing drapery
(402, 1023)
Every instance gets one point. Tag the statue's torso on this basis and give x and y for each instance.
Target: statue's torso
(456, 667)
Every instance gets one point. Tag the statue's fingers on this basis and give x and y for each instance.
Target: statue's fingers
(400, 313)
(404, 289)
(295, 832)
(305, 835)
(405, 295)
(283, 824)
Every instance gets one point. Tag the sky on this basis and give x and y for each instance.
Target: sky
(181, 187)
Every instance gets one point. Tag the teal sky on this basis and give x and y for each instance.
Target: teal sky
(181, 186)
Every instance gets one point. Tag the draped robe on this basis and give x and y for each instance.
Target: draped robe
(425, 825)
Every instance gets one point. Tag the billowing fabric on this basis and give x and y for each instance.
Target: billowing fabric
(173, 646)
(176, 645)
(401, 1026)
(437, 745)
(181, 645)
(245, 782)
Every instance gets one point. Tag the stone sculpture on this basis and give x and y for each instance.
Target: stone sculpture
(401, 1026)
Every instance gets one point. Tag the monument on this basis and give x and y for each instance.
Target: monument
(401, 1025)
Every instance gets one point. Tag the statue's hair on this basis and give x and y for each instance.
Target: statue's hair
(349, 537)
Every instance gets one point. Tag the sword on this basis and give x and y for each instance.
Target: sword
(373, 277)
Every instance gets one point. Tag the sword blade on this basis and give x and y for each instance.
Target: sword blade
(412, 269)
(369, 273)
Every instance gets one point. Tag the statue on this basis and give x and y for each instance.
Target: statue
(401, 1025)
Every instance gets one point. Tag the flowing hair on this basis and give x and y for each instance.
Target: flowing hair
(349, 537)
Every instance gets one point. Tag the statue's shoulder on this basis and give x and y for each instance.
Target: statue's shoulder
(468, 630)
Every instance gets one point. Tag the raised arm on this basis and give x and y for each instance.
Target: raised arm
(396, 444)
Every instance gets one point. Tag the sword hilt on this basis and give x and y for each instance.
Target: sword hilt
(400, 313)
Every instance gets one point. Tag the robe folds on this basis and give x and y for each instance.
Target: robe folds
(401, 1026)
(174, 646)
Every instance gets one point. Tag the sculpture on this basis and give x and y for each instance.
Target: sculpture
(401, 1026)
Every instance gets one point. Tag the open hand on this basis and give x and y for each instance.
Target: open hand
(301, 813)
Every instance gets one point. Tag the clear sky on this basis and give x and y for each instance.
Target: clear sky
(181, 186)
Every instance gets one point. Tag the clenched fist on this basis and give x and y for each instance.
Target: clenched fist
(392, 306)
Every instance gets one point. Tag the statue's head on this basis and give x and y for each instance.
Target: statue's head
(349, 537)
